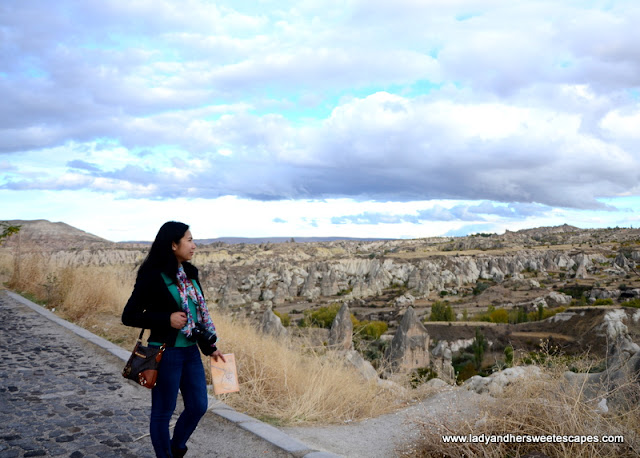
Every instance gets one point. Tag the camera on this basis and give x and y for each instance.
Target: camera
(205, 338)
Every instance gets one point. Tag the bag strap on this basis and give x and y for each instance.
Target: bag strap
(140, 336)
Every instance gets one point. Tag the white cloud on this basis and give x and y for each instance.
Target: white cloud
(623, 124)
(515, 102)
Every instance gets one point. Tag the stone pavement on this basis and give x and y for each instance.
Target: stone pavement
(63, 395)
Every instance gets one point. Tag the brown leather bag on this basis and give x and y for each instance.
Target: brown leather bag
(143, 363)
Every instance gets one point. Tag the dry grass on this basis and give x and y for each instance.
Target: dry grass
(544, 406)
(296, 384)
(79, 292)
(281, 382)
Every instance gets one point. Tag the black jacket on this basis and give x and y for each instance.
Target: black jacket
(151, 305)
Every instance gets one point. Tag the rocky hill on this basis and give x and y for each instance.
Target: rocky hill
(527, 270)
(499, 287)
(47, 236)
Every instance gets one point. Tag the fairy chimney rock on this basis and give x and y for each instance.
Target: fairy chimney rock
(272, 325)
(409, 348)
(341, 334)
(581, 271)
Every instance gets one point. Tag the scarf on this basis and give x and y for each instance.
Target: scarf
(187, 290)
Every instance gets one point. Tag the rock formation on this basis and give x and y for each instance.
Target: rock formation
(495, 383)
(619, 383)
(272, 325)
(341, 333)
(364, 367)
(442, 362)
(409, 348)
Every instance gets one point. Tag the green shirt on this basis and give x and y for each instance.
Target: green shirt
(181, 339)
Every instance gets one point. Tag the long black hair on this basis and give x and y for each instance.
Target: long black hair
(161, 254)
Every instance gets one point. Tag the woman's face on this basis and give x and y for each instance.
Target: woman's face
(185, 249)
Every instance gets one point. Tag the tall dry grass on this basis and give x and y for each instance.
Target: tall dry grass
(544, 406)
(90, 296)
(290, 382)
(282, 381)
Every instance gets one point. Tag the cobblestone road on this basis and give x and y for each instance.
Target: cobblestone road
(58, 399)
(63, 396)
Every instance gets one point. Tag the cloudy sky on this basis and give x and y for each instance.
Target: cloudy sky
(404, 118)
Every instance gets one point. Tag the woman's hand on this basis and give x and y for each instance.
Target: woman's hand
(218, 354)
(178, 320)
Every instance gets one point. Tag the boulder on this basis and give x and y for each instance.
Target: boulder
(404, 300)
(621, 261)
(364, 367)
(559, 298)
(495, 383)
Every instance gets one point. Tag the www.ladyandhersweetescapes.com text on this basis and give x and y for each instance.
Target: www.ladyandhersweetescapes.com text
(531, 439)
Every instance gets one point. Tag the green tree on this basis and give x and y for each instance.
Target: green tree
(508, 356)
(522, 315)
(441, 311)
(478, 347)
(7, 230)
(499, 316)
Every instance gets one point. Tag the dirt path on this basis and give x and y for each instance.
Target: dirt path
(392, 434)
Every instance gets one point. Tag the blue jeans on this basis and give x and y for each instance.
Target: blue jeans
(181, 369)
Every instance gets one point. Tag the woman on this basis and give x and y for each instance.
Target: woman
(168, 300)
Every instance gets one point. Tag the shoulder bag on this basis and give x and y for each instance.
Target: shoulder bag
(143, 363)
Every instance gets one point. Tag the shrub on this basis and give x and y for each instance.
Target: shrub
(422, 375)
(518, 315)
(284, 318)
(370, 330)
(607, 301)
(344, 292)
(480, 287)
(441, 311)
(467, 371)
(576, 291)
(321, 318)
(632, 303)
(499, 316)
(544, 313)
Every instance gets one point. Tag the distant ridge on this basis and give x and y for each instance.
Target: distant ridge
(52, 236)
(547, 230)
(259, 240)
